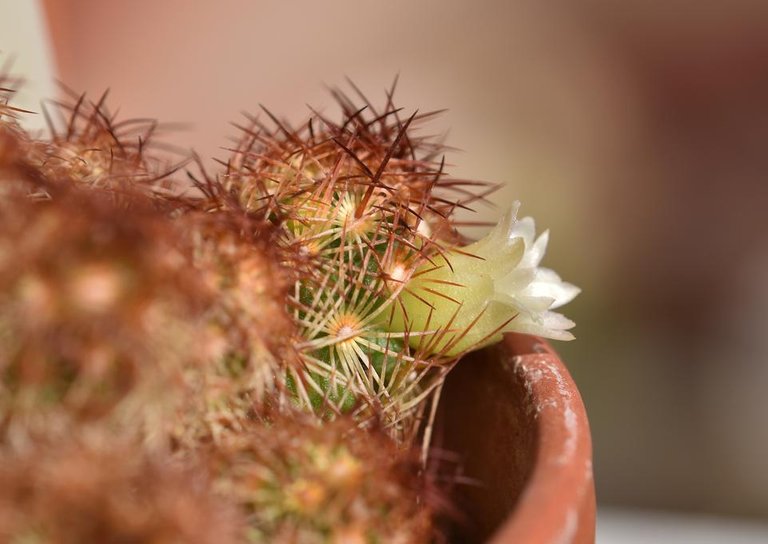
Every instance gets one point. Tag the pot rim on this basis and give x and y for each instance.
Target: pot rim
(557, 504)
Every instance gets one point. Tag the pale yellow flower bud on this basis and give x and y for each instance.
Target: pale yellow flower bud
(468, 297)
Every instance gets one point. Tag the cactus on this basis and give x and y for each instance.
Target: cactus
(365, 201)
(96, 316)
(283, 333)
(97, 488)
(301, 480)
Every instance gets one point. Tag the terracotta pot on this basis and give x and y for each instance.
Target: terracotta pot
(515, 417)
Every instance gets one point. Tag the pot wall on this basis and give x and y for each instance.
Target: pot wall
(516, 417)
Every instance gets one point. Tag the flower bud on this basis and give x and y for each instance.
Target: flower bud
(466, 298)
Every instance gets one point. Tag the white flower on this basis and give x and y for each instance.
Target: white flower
(467, 298)
(528, 288)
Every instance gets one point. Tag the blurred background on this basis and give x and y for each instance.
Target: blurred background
(636, 131)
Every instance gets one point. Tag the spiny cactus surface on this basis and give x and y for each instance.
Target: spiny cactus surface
(264, 350)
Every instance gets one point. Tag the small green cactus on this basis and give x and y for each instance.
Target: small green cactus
(358, 200)
(302, 480)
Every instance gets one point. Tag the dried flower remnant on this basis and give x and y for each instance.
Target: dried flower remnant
(302, 480)
(104, 489)
(466, 298)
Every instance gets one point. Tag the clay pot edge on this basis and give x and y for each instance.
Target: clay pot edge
(557, 505)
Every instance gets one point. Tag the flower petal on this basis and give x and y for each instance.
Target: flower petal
(548, 284)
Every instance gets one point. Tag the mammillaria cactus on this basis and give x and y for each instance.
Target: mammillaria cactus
(365, 201)
(99, 488)
(97, 316)
(284, 330)
(301, 480)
